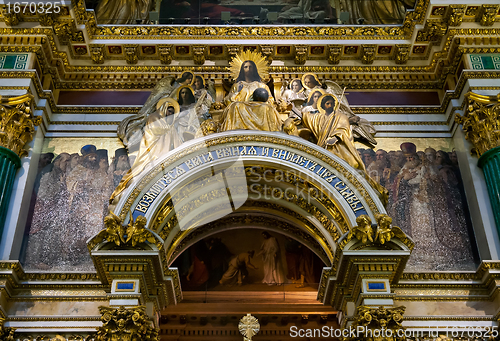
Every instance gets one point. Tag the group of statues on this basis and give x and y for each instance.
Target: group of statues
(179, 110)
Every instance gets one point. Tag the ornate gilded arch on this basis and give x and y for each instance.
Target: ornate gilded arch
(249, 179)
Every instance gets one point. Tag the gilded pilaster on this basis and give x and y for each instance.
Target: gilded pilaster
(482, 128)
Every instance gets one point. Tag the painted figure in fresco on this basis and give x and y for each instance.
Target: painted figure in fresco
(413, 210)
(88, 185)
(238, 269)
(292, 254)
(271, 256)
(306, 267)
(120, 166)
(45, 241)
(199, 271)
(379, 168)
(242, 112)
(219, 258)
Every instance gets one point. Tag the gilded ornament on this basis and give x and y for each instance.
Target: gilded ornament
(126, 324)
(131, 53)
(438, 11)
(11, 18)
(166, 53)
(488, 14)
(472, 11)
(6, 334)
(383, 233)
(132, 234)
(199, 54)
(249, 327)
(377, 319)
(97, 53)
(363, 231)
(268, 52)
(47, 19)
(17, 125)
(456, 14)
(367, 54)
(480, 122)
(334, 52)
(64, 31)
(402, 53)
(432, 32)
(300, 54)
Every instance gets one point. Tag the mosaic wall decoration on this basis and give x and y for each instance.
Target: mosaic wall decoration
(485, 62)
(426, 199)
(18, 61)
(74, 181)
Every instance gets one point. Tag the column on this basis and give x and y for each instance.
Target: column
(17, 128)
(482, 128)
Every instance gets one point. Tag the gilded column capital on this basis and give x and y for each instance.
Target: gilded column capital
(370, 319)
(17, 125)
(480, 122)
(126, 324)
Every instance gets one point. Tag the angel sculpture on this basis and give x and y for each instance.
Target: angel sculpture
(137, 233)
(363, 231)
(113, 231)
(130, 129)
(385, 230)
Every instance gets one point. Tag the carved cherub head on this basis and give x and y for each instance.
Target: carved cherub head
(140, 222)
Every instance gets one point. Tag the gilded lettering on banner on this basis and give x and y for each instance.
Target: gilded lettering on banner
(240, 153)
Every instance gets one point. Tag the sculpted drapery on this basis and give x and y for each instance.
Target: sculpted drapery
(242, 112)
(333, 131)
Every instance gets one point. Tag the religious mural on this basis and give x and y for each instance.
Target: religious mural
(248, 259)
(74, 181)
(426, 200)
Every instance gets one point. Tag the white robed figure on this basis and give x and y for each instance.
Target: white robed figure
(271, 256)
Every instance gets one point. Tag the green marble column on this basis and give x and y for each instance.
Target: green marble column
(17, 126)
(490, 163)
(9, 164)
(481, 126)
